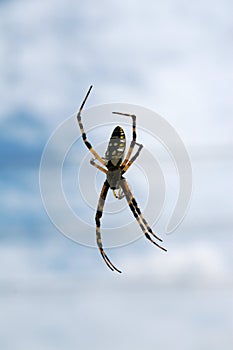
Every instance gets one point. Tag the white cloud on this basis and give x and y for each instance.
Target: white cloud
(198, 264)
(175, 58)
(171, 57)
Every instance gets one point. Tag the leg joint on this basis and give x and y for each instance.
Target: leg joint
(98, 216)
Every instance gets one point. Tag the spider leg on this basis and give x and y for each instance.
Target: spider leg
(92, 162)
(89, 146)
(98, 216)
(134, 136)
(138, 215)
(126, 167)
(135, 204)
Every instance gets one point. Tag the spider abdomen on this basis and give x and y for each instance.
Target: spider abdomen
(116, 146)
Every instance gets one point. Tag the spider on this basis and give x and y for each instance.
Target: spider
(115, 166)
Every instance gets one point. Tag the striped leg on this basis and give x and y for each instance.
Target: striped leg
(134, 136)
(89, 146)
(92, 161)
(98, 216)
(126, 167)
(135, 204)
(138, 215)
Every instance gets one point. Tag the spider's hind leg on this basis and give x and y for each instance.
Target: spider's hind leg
(130, 162)
(134, 136)
(84, 136)
(92, 162)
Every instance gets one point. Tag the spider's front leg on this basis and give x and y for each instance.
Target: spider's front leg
(138, 215)
(98, 216)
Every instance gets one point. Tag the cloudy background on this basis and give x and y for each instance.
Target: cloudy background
(174, 58)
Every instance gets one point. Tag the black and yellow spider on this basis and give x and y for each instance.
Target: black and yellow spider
(115, 167)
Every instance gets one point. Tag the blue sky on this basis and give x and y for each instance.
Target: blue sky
(172, 57)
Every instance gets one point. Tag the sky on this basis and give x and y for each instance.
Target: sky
(174, 58)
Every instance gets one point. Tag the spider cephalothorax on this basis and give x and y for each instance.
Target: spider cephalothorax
(114, 167)
(114, 177)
